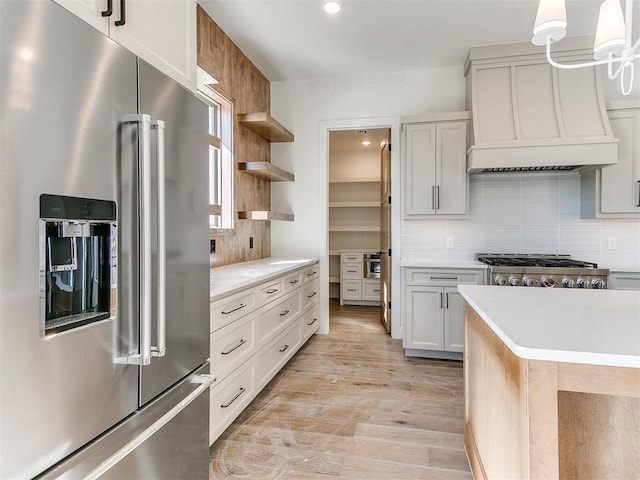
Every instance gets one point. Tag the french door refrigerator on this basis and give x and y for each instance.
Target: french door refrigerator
(104, 275)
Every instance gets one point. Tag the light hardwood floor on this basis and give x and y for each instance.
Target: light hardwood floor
(350, 405)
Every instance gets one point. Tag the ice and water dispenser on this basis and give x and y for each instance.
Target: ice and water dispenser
(78, 262)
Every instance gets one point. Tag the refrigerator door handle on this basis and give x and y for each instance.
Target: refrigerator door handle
(144, 357)
(205, 381)
(161, 348)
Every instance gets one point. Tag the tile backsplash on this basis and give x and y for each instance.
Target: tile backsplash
(524, 213)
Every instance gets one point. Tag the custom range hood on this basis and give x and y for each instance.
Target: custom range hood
(529, 117)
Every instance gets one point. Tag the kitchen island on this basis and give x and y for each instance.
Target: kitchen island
(552, 382)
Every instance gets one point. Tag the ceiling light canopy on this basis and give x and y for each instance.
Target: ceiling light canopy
(613, 40)
(332, 6)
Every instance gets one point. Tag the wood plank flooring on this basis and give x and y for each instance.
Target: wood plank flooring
(350, 405)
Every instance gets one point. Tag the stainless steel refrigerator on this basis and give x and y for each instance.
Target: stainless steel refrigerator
(104, 273)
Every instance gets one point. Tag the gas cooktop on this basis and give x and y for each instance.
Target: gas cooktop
(532, 260)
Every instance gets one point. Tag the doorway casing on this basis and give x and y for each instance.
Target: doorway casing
(327, 126)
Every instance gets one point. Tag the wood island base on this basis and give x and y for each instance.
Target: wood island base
(532, 419)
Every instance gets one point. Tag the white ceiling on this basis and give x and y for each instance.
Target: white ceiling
(343, 140)
(296, 39)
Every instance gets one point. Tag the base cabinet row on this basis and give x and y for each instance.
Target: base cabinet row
(434, 310)
(248, 350)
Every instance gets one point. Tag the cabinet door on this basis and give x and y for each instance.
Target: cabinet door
(161, 33)
(90, 11)
(620, 184)
(451, 168)
(453, 320)
(425, 329)
(419, 171)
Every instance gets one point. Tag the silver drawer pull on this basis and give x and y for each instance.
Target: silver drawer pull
(443, 278)
(351, 271)
(311, 274)
(235, 397)
(284, 349)
(235, 347)
(312, 322)
(293, 282)
(286, 312)
(271, 290)
(312, 294)
(242, 305)
(376, 291)
(351, 289)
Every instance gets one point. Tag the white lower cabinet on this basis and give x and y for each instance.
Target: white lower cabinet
(624, 280)
(254, 333)
(434, 321)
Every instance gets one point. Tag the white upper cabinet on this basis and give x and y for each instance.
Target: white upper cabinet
(434, 167)
(161, 33)
(614, 191)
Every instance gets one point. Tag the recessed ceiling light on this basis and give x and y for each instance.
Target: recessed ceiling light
(366, 143)
(331, 6)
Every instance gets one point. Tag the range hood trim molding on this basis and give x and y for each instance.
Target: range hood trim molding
(567, 157)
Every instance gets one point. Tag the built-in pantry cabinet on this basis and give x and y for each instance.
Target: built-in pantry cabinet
(254, 333)
(435, 181)
(614, 191)
(161, 33)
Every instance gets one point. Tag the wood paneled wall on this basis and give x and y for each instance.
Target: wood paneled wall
(248, 89)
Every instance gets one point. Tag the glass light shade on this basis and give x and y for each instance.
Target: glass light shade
(331, 6)
(551, 22)
(610, 33)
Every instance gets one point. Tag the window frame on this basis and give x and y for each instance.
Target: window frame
(223, 143)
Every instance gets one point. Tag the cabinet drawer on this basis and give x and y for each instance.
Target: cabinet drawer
(271, 359)
(270, 291)
(444, 278)
(232, 345)
(229, 398)
(225, 311)
(310, 273)
(275, 318)
(352, 258)
(624, 281)
(310, 321)
(292, 281)
(310, 293)
(371, 290)
(351, 271)
(351, 290)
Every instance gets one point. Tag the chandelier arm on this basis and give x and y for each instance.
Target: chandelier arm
(569, 66)
(626, 91)
(628, 10)
(613, 75)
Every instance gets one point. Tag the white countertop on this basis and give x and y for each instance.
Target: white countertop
(422, 262)
(229, 279)
(597, 327)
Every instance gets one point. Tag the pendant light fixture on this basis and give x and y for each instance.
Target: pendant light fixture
(613, 40)
(332, 6)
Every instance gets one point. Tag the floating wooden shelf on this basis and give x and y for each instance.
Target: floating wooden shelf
(265, 215)
(266, 170)
(266, 126)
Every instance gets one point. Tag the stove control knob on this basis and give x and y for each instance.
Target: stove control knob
(530, 282)
(499, 280)
(568, 282)
(583, 283)
(549, 282)
(598, 283)
(514, 281)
